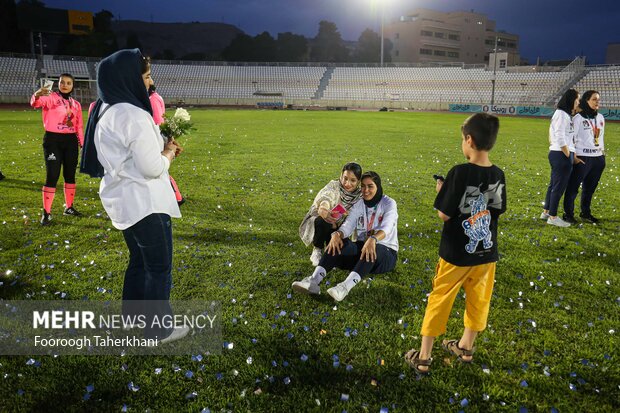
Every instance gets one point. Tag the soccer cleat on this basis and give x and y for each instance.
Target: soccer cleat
(569, 218)
(72, 211)
(544, 216)
(316, 256)
(306, 286)
(177, 334)
(1, 176)
(46, 218)
(558, 222)
(338, 292)
(589, 218)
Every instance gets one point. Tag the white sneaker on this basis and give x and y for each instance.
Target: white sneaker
(316, 256)
(306, 286)
(558, 222)
(177, 334)
(338, 292)
(544, 216)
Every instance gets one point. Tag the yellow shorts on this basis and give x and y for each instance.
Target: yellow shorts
(478, 284)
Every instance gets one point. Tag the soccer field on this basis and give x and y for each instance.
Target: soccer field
(249, 177)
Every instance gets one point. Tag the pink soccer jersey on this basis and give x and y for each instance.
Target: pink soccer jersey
(60, 115)
(159, 108)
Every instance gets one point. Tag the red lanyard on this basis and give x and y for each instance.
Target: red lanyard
(371, 220)
(595, 131)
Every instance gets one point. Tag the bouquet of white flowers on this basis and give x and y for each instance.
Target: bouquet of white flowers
(177, 125)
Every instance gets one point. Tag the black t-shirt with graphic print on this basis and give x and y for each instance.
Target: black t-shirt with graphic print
(473, 197)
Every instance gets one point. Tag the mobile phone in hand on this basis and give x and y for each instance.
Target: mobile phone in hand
(47, 84)
(438, 178)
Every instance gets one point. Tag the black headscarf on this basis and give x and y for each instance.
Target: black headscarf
(586, 111)
(567, 101)
(379, 194)
(119, 80)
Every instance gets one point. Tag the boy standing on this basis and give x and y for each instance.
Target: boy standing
(469, 202)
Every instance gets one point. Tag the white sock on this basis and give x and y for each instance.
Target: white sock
(318, 274)
(352, 280)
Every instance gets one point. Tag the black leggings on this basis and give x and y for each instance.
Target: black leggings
(60, 150)
(322, 232)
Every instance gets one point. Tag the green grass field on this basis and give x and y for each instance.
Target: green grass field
(249, 178)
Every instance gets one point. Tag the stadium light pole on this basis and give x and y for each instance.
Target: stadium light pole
(382, 19)
(494, 72)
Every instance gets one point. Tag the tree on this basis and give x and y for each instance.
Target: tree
(327, 45)
(103, 21)
(291, 47)
(239, 49)
(133, 41)
(368, 48)
(264, 48)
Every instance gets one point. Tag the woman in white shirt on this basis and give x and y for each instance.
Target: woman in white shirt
(375, 219)
(561, 155)
(590, 148)
(123, 141)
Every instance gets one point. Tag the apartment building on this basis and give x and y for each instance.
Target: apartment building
(431, 36)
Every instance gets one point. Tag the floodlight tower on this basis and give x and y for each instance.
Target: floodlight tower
(494, 71)
(382, 24)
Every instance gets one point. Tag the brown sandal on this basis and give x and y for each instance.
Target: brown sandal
(412, 357)
(452, 347)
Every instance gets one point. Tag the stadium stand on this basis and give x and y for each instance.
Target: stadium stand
(273, 85)
(54, 68)
(604, 79)
(18, 76)
(233, 82)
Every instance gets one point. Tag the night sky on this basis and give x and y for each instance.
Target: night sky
(549, 29)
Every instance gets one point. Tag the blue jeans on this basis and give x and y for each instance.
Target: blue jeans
(561, 167)
(148, 276)
(586, 174)
(349, 259)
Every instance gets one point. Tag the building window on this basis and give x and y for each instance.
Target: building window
(454, 37)
(426, 51)
(501, 43)
(453, 54)
(489, 42)
(440, 35)
(426, 33)
(512, 45)
(502, 63)
(439, 53)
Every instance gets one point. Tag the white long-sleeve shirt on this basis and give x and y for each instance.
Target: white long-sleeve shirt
(136, 182)
(585, 142)
(561, 132)
(386, 220)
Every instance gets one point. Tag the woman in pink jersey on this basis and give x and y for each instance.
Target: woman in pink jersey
(159, 108)
(62, 120)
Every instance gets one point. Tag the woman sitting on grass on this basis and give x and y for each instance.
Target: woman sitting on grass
(321, 220)
(375, 251)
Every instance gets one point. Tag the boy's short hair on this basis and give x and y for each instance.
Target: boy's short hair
(483, 128)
